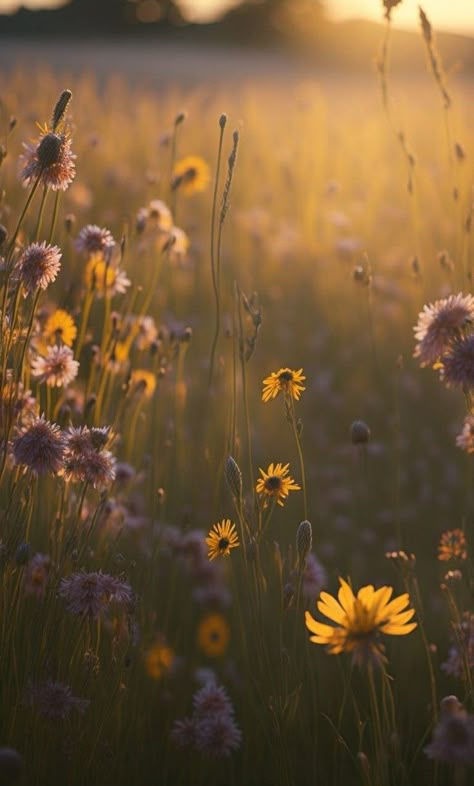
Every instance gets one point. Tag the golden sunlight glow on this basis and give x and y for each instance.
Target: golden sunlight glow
(455, 15)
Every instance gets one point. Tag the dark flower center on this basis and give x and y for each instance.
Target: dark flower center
(49, 150)
(273, 483)
(285, 376)
(223, 544)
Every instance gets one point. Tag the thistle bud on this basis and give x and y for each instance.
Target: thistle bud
(304, 541)
(59, 110)
(233, 477)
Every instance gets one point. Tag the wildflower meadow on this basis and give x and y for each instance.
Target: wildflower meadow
(237, 429)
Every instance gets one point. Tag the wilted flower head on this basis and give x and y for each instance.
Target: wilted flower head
(38, 266)
(40, 447)
(50, 160)
(389, 5)
(93, 240)
(54, 700)
(453, 737)
(58, 368)
(90, 594)
(439, 324)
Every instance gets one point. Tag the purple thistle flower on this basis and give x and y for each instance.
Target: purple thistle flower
(90, 594)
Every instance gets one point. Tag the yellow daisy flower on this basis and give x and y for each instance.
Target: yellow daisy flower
(143, 381)
(284, 381)
(359, 621)
(276, 482)
(213, 635)
(60, 326)
(105, 278)
(159, 660)
(190, 175)
(222, 538)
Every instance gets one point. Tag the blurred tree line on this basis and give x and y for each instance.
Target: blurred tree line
(250, 20)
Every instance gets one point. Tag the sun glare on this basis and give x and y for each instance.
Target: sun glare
(457, 15)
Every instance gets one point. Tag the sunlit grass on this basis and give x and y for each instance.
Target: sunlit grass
(178, 321)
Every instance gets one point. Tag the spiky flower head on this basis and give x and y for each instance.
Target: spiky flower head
(38, 266)
(221, 539)
(439, 324)
(57, 369)
(90, 594)
(93, 240)
(276, 483)
(40, 447)
(217, 735)
(359, 621)
(457, 365)
(50, 161)
(284, 381)
(212, 699)
(55, 701)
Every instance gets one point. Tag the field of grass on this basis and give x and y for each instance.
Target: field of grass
(307, 231)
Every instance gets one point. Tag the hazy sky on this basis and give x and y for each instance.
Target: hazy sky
(444, 14)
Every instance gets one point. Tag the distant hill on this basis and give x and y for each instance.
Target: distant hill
(305, 34)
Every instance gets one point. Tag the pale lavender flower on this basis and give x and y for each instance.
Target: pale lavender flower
(217, 735)
(99, 469)
(51, 160)
(465, 440)
(38, 266)
(58, 368)
(439, 324)
(40, 446)
(183, 733)
(453, 737)
(90, 594)
(458, 364)
(93, 239)
(55, 701)
(212, 699)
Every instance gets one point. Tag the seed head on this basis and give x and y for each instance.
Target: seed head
(360, 432)
(304, 541)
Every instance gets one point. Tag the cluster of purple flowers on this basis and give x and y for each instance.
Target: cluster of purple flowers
(211, 730)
